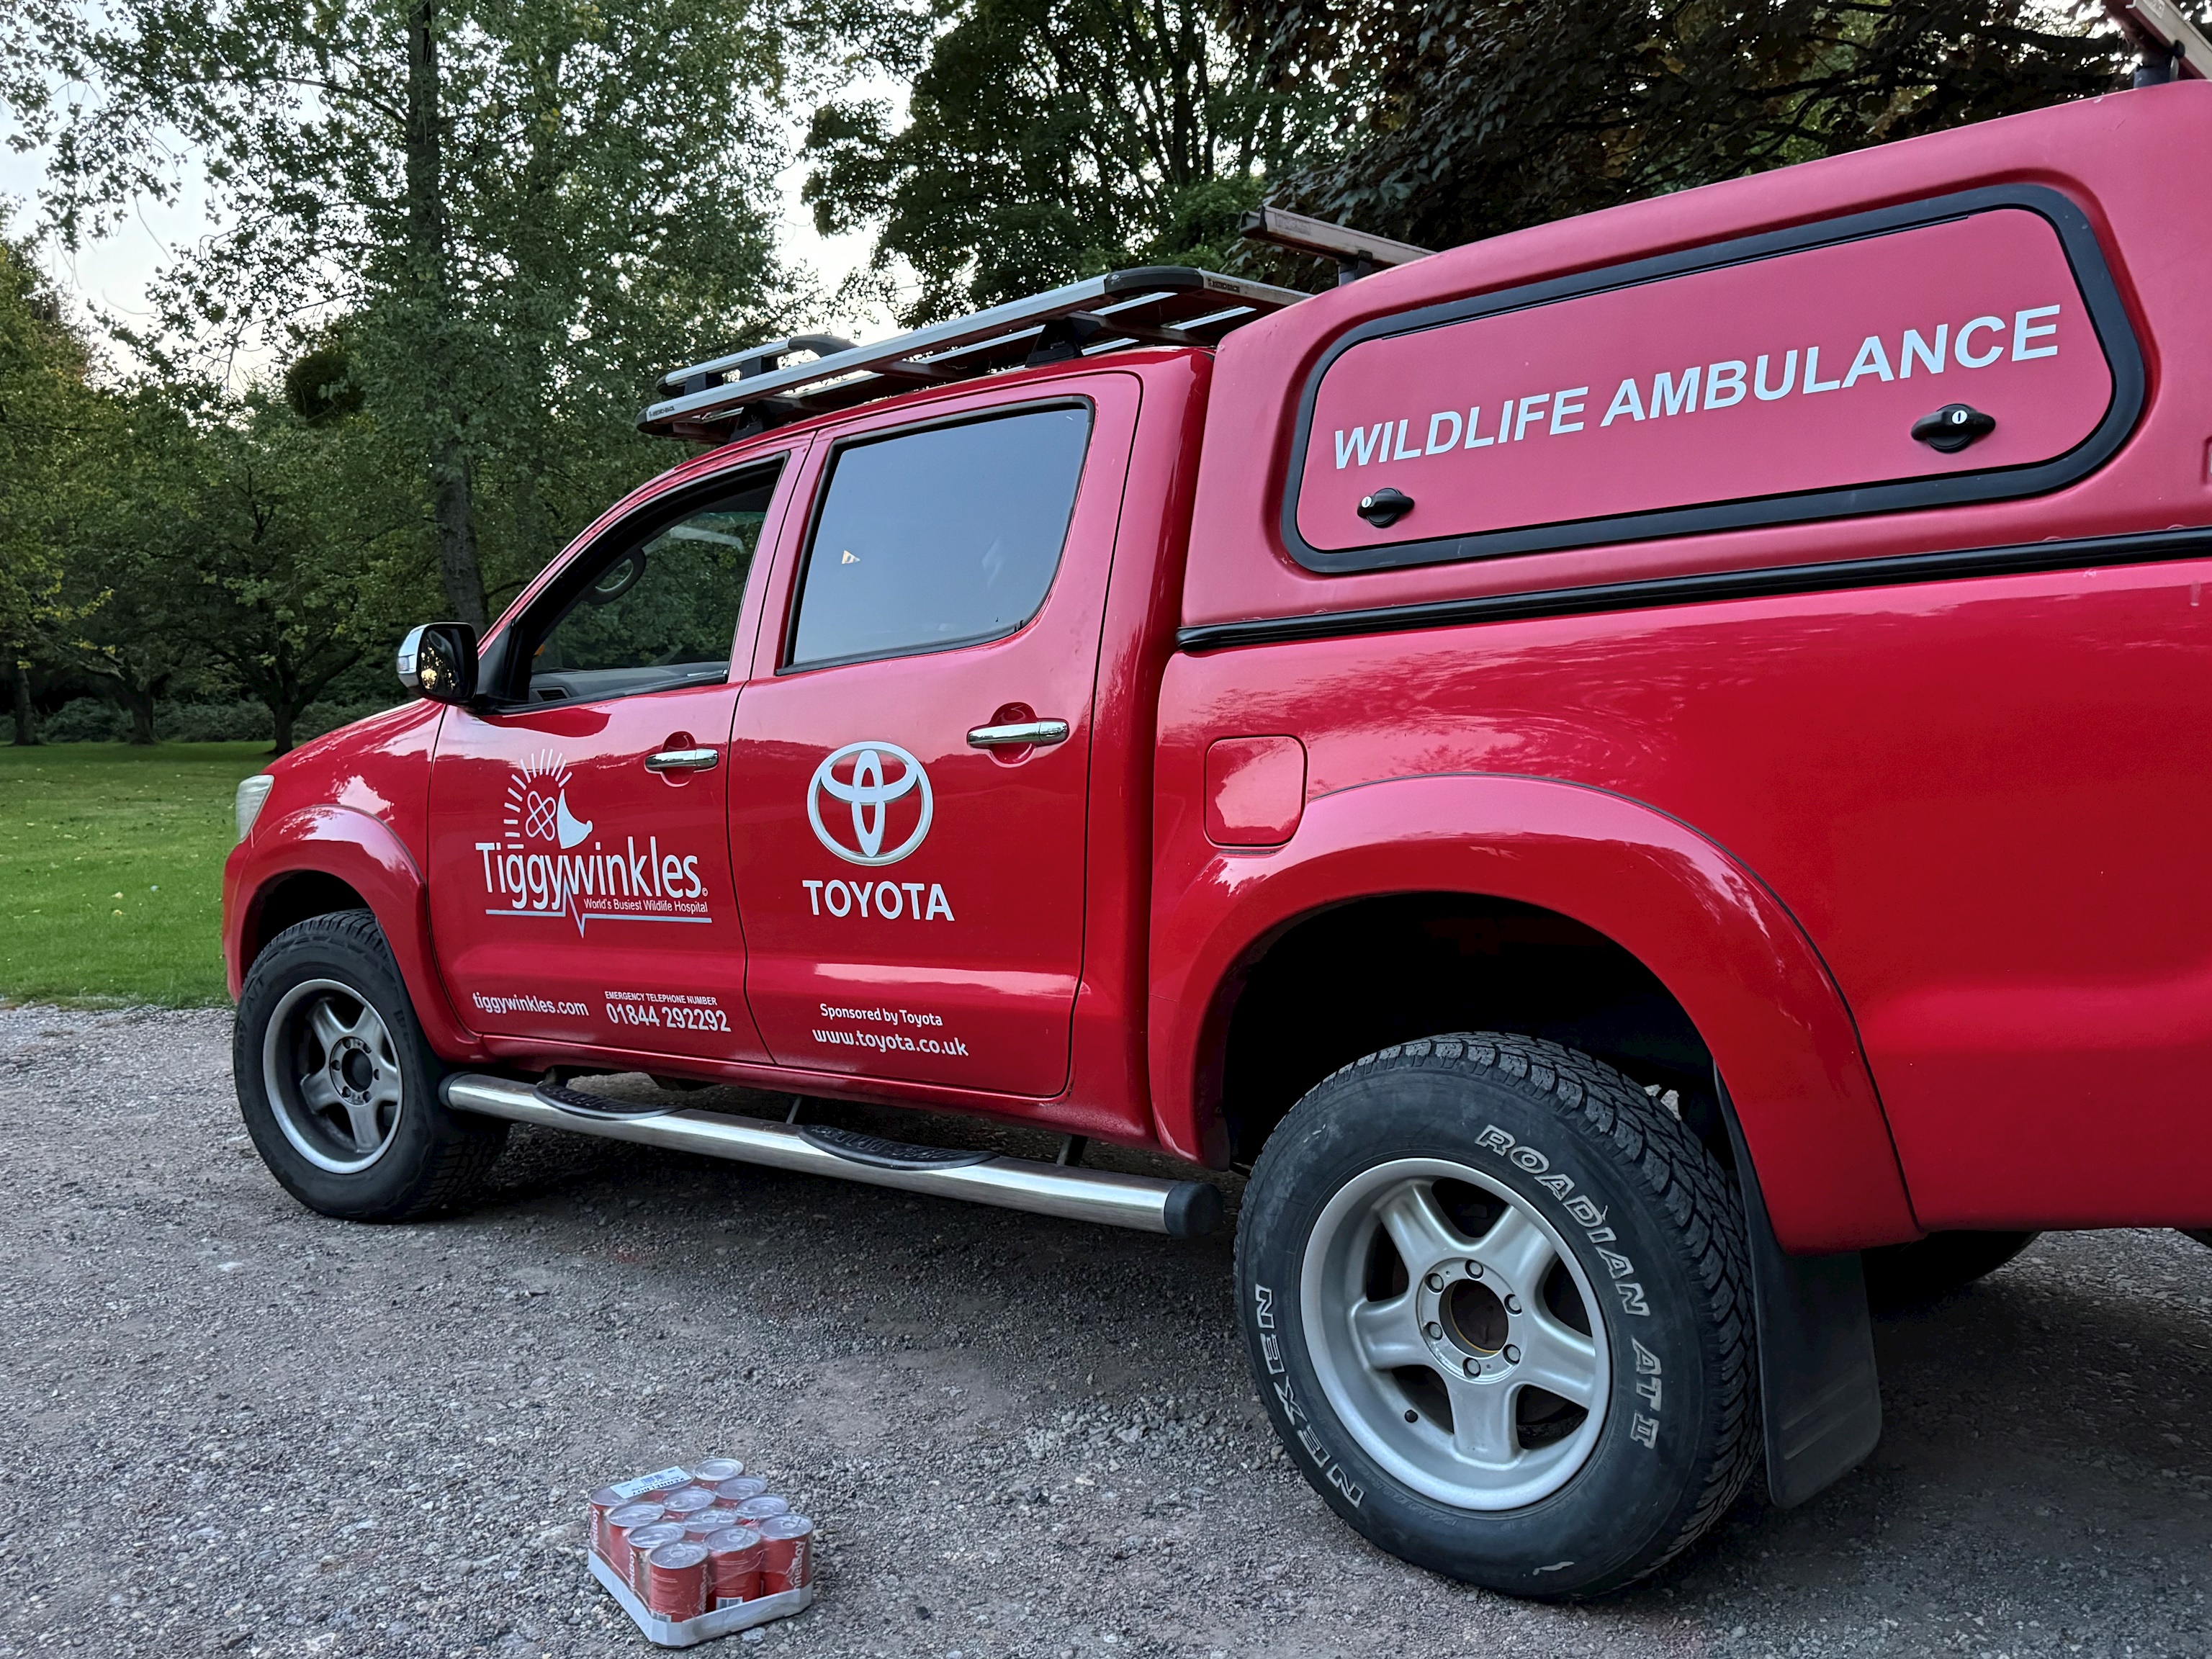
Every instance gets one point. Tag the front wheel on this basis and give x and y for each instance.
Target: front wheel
(339, 1087)
(1496, 1300)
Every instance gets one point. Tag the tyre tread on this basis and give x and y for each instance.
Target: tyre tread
(1680, 1175)
(455, 1167)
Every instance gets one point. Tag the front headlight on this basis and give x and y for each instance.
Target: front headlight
(251, 793)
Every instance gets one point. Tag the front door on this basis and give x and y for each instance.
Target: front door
(911, 763)
(581, 887)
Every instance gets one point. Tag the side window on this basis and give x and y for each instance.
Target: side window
(944, 537)
(657, 609)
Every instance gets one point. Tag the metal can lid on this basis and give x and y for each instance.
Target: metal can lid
(786, 1526)
(737, 1491)
(709, 1521)
(674, 1558)
(646, 1539)
(733, 1540)
(713, 1470)
(759, 1509)
(608, 1497)
(636, 1515)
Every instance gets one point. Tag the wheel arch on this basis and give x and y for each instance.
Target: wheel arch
(1638, 890)
(328, 858)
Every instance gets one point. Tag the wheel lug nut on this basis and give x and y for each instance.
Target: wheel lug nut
(1512, 1354)
(1474, 1270)
(1513, 1305)
(1473, 1367)
(1435, 1281)
(1435, 1331)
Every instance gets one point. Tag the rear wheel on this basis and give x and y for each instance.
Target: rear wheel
(1496, 1300)
(338, 1086)
(1905, 1275)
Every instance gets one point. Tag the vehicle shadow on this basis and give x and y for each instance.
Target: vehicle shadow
(2044, 1474)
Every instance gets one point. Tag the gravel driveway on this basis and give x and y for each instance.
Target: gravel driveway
(238, 1427)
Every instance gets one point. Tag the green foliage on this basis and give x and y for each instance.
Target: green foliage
(1050, 140)
(1468, 117)
(45, 408)
(81, 823)
(518, 211)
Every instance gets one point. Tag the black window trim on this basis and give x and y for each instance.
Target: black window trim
(2084, 256)
(827, 476)
(504, 658)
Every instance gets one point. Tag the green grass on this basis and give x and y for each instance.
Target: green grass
(110, 870)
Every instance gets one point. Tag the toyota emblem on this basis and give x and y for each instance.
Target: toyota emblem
(871, 795)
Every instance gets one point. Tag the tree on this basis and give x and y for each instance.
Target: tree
(520, 210)
(45, 406)
(284, 542)
(1465, 119)
(1050, 140)
(125, 517)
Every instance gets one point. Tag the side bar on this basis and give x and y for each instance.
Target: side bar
(1180, 1209)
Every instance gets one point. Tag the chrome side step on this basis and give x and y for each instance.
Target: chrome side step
(1181, 1209)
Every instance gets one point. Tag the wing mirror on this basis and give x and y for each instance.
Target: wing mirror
(438, 660)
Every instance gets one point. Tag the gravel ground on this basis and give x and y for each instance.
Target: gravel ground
(241, 1428)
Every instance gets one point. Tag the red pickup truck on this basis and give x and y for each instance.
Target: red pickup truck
(1634, 776)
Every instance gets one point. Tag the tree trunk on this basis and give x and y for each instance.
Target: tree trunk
(281, 717)
(19, 698)
(457, 535)
(140, 705)
(454, 511)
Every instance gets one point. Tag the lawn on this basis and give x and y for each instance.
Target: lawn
(110, 870)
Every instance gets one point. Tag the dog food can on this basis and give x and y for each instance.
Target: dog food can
(733, 1566)
(676, 1581)
(737, 1491)
(713, 1470)
(604, 1502)
(786, 1554)
(754, 1510)
(700, 1527)
(622, 1520)
(687, 1501)
(642, 1543)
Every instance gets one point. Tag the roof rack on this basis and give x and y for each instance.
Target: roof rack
(1159, 305)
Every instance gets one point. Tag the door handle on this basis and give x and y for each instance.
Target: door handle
(682, 760)
(1021, 734)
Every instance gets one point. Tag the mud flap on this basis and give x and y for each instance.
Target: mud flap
(1819, 1391)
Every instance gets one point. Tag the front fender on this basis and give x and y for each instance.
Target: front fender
(366, 855)
(1722, 943)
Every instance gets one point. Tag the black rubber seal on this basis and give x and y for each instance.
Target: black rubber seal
(1193, 1210)
(577, 1104)
(880, 1152)
(1901, 570)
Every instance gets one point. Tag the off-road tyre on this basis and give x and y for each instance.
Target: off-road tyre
(1930, 1268)
(1654, 1225)
(432, 1158)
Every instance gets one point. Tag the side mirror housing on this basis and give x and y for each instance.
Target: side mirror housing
(438, 660)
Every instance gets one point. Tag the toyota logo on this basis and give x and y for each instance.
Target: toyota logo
(869, 795)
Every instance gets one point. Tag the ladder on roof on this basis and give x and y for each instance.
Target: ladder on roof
(1159, 305)
(2172, 48)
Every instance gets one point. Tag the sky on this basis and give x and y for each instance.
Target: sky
(112, 274)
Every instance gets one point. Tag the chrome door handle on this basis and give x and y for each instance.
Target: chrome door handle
(682, 760)
(1021, 734)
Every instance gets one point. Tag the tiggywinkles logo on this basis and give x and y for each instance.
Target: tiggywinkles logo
(543, 867)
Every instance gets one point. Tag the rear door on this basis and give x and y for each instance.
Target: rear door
(910, 766)
(581, 887)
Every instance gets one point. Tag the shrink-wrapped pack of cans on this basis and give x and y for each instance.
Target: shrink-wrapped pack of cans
(696, 1552)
